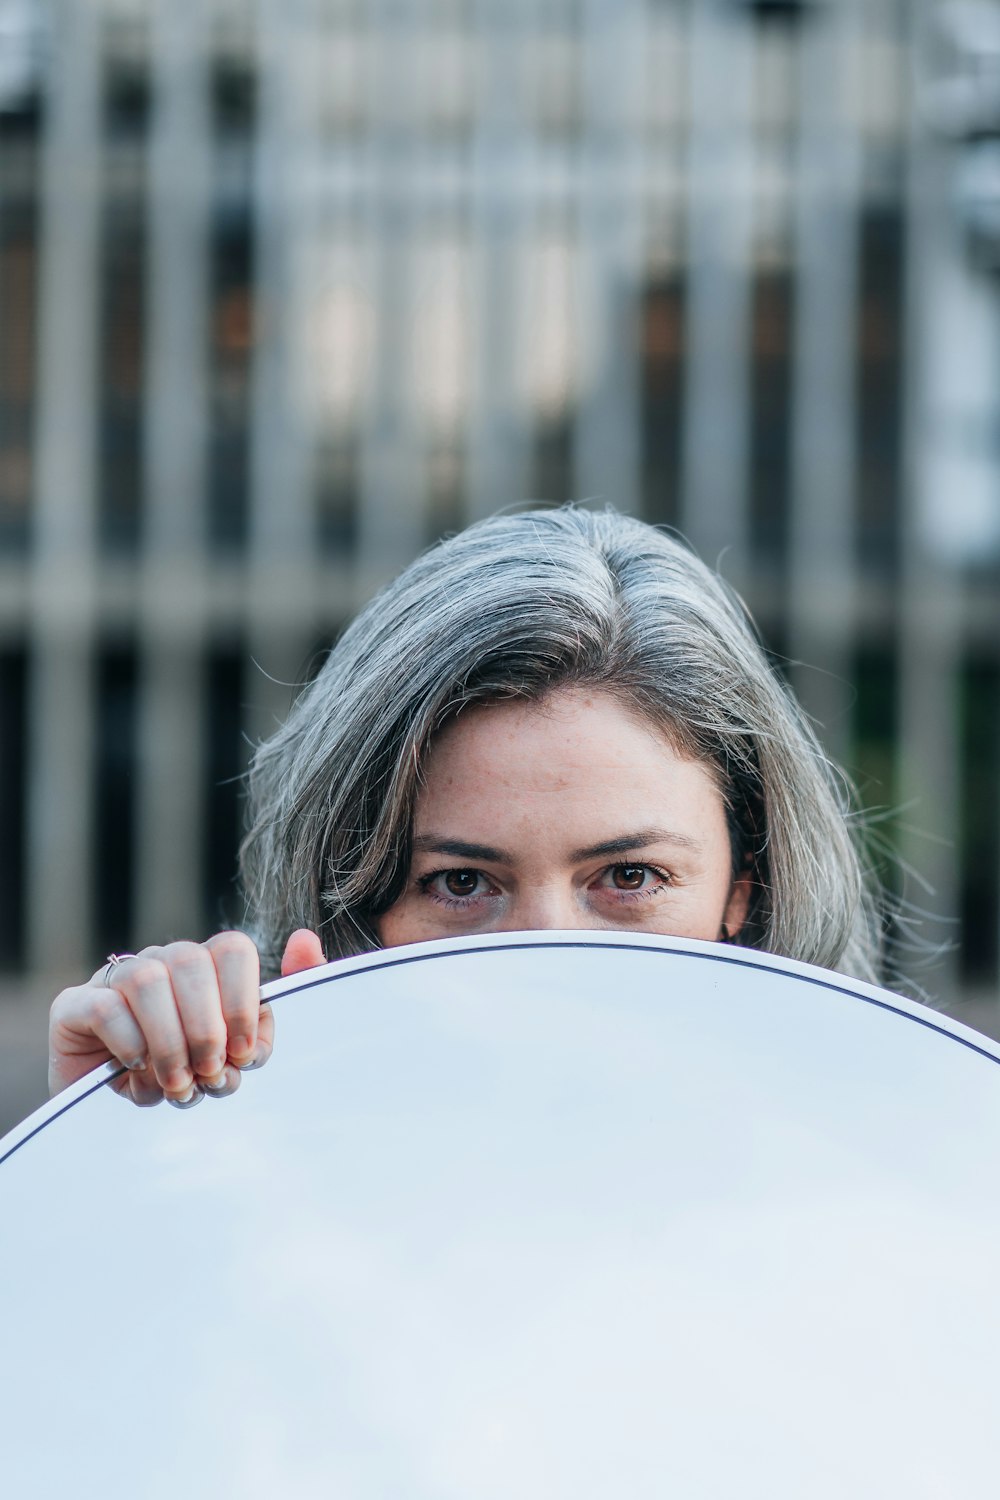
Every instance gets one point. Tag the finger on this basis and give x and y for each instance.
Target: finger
(237, 968)
(302, 951)
(139, 1088)
(195, 987)
(265, 1041)
(90, 1025)
(145, 984)
(227, 1082)
(193, 1096)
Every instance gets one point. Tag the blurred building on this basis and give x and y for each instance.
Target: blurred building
(289, 289)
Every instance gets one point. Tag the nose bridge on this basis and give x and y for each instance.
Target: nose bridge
(544, 906)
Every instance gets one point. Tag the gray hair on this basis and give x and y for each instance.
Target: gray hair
(516, 606)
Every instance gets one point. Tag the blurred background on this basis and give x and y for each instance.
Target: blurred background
(289, 288)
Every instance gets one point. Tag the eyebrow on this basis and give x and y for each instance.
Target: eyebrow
(433, 843)
(641, 840)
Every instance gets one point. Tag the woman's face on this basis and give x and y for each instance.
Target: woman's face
(568, 813)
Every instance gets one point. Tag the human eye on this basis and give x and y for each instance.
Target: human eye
(633, 881)
(457, 888)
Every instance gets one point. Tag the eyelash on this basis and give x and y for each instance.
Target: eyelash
(661, 883)
(461, 903)
(454, 903)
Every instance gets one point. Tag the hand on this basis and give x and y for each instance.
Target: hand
(184, 1019)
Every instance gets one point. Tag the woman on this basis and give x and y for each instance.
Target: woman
(557, 719)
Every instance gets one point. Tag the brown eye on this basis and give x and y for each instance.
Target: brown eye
(629, 877)
(461, 882)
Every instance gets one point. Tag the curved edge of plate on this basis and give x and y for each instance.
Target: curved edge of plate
(414, 953)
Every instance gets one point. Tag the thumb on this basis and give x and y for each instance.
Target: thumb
(302, 951)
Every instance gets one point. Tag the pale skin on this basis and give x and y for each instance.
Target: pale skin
(571, 813)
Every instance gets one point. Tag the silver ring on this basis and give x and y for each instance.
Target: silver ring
(114, 959)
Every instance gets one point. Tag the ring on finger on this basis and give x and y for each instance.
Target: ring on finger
(114, 959)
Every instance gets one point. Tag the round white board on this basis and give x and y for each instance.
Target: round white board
(545, 1215)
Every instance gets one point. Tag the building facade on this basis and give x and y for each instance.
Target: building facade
(289, 290)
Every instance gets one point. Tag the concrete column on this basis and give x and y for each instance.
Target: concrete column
(282, 464)
(823, 600)
(610, 258)
(938, 320)
(61, 693)
(715, 477)
(171, 710)
(498, 436)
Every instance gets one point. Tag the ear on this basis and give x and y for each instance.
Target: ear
(737, 907)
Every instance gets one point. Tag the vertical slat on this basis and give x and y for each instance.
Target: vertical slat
(392, 520)
(177, 299)
(928, 748)
(610, 252)
(61, 704)
(949, 528)
(823, 598)
(282, 519)
(715, 486)
(172, 619)
(497, 432)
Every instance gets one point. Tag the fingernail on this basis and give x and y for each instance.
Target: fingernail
(257, 1061)
(189, 1100)
(219, 1085)
(136, 1065)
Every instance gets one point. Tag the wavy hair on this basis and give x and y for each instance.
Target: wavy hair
(514, 607)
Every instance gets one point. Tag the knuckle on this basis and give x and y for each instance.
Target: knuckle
(241, 1012)
(71, 1002)
(167, 1053)
(232, 946)
(171, 1068)
(144, 972)
(104, 1008)
(186, 961)
(85, 1006)
(205, 1041)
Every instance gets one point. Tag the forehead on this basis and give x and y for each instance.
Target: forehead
(570, 740)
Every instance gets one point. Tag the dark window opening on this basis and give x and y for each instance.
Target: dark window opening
(662, 331)
(879, 389)
(233, 93)
(26, 55)
(979, 895)
(22, 119)
(127, 88)
(114, 840)
(227, 755)
(18, 312)
(445, 488)
(231, 336)
(122, 325)
(13, 803)
(783, 12)
(771, 396)
(337, 483)
(552, 459)
(875, 726)
(875, 733)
